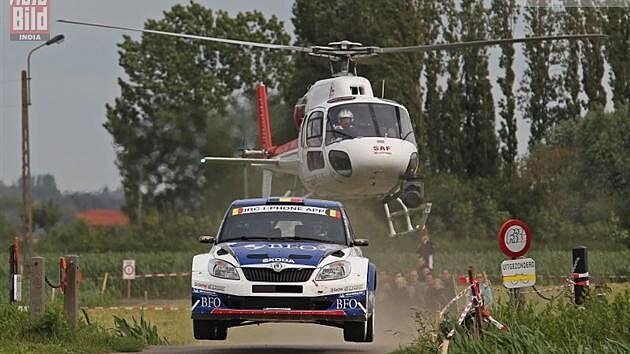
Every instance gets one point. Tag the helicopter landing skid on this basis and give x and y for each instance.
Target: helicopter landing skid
(406, 212)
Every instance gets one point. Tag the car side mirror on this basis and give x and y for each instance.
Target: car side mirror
(361, 242)
(206, 239)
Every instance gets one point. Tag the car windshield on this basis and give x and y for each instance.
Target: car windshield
(283, 222)
(355, 120)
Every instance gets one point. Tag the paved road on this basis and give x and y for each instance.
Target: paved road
(394, 327)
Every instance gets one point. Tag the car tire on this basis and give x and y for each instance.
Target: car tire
(354, 331)
(209, 330)
(369, 331)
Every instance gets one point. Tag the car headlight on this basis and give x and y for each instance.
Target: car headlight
(334, 271)
(222, 269)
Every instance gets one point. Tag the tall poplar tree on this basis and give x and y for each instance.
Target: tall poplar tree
(617, 27)
(593, 64)
(538, 91)
(504, 16)
(433, 70)
(480, 141)
(571, 63)
(450, 158)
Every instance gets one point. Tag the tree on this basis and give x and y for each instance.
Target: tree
(433, 70)
(603, 146)
(449, 158)
(480, 141)
(505, 15)
(175, 106)
(46, 215)
(538, 89)
(617, 28)
(7, 230)
(572, 64)
(593, 65)
(45, 187)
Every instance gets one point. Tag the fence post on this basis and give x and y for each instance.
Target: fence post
(71, 295)
(11, 273)
(580, 274)
(14, 279)
(38, 294)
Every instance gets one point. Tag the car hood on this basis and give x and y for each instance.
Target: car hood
(302, 253)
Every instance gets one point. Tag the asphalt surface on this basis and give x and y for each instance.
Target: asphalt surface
(394, 327)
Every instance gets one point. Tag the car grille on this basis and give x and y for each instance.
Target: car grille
(284, 276)
(293, 303)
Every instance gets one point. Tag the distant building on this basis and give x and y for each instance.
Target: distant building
(103, 217)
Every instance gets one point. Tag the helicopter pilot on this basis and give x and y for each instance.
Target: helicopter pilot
(346, 124)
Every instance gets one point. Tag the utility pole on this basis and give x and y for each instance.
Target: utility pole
(27, 197)
(27, 202)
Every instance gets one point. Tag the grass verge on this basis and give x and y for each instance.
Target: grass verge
(599, 326)
(50, 333)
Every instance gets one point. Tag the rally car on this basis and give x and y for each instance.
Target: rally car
(283, 260)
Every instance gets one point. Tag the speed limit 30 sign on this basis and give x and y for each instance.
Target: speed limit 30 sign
(514, 238)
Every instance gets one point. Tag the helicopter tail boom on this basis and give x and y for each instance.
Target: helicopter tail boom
(262, 115)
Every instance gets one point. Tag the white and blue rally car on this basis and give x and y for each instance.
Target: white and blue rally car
(283, 260)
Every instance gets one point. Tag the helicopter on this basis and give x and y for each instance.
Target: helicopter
(351, 144)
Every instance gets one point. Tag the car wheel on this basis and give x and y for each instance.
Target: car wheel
(209, 330)
(369, 331)
(220, 332)
(354, 331)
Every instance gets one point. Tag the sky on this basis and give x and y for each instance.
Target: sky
(72, 82)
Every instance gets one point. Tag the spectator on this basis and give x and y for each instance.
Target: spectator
(414, 285)
(431, 291)
(425, 249)
(441, 295)
(401, 286)
(485, 289)
(384, 281)
(421, 265)
(449, 287)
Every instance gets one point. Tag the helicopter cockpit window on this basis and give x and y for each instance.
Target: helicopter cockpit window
(356, 120)
(314, 129)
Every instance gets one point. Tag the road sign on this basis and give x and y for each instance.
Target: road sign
(129, 269)
(518, 273)
(514, 238)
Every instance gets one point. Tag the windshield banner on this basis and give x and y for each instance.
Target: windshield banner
(282, 208)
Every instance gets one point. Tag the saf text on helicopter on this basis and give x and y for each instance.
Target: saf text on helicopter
(351, 144)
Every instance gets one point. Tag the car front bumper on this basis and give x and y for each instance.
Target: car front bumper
(212, 305)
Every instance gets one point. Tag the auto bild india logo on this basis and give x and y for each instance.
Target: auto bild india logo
(29, 20)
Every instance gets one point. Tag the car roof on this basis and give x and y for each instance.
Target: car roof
(287, 201)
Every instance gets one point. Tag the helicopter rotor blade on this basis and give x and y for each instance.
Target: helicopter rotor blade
(461, 45)
(191, 36)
